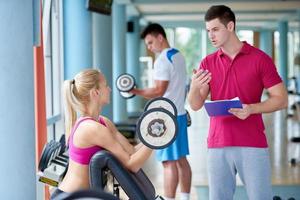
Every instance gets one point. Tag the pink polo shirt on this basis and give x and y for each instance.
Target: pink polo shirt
(245, 77)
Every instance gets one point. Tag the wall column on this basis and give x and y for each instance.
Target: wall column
(256, 39)
(102, 52)
(77, 37)
(134, 105)
(119, 59)
(17, 132)
(266, 41)
(283, 62)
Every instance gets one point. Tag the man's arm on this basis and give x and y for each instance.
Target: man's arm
(278, 99)
(199, 89)
(157, 91)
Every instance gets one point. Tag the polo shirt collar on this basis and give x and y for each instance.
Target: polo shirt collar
(244, 50)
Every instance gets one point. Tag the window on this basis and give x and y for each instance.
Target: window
(53, 58)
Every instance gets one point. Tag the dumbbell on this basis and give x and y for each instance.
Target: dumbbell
(157, 126)
(53, 163)
(50, 150)
(124, 83)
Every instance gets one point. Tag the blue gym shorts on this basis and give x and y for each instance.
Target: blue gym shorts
(180, 147)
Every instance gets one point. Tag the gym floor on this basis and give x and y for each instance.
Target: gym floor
(279, 132)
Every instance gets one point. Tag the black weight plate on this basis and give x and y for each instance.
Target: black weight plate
(162, 102)
(43, 157)
(57, 148)
(62, 141)
(61, 159)
(161, 140)
(50, 155)
(125, 82)
(189, 119)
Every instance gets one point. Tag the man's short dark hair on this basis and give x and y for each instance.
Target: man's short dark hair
(221, 12)
(153, 29)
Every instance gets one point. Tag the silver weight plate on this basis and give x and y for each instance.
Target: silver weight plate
(157, 128)
(161, 102)
(125, 82)
(126, 95)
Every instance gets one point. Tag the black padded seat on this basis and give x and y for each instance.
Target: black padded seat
(137, 186)
(86, 195)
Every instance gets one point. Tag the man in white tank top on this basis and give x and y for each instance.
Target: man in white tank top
(170, 82)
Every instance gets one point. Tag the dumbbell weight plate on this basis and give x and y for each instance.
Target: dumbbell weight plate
(62, 141)
(125, 82)
(189, 119)
(57, 149)
(46, 154)
(50, 151)
(157, 128)
(127, 95)
(53, 151)
(42, 163)
(161, 102)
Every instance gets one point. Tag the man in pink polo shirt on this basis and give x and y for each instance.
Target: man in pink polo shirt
(237, 143)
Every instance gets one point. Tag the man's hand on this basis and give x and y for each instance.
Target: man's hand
(241, 113)
(199, 88)
(200, 79)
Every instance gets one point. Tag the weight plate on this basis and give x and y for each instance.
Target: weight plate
(51, 154)
(157, 128)
(62, 141)
(125, 82)
(127, 95)
(161, 102)
(41, 166)
(46, 155)
(57, 149)
(189, 119)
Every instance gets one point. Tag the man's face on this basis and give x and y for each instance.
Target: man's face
(153, 42)
(218, 33)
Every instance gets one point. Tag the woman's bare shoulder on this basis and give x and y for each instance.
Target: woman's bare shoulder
(91, 129)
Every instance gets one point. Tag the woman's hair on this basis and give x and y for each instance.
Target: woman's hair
(221, 12)
(76, 95)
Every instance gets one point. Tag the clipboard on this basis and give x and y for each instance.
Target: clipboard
(221, 107)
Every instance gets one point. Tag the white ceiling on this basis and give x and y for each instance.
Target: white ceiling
(254, 14)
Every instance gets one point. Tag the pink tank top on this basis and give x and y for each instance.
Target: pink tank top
(82, 155)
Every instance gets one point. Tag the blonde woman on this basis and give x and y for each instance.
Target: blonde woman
(86, 94)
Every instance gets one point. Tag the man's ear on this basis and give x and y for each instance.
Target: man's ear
(160, 37)
(230, 26)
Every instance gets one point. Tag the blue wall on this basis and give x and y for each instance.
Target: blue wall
(77, 37)
(17, 143)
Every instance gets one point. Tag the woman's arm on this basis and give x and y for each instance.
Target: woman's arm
(138, 146)
(119, 136)
(103, 137)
